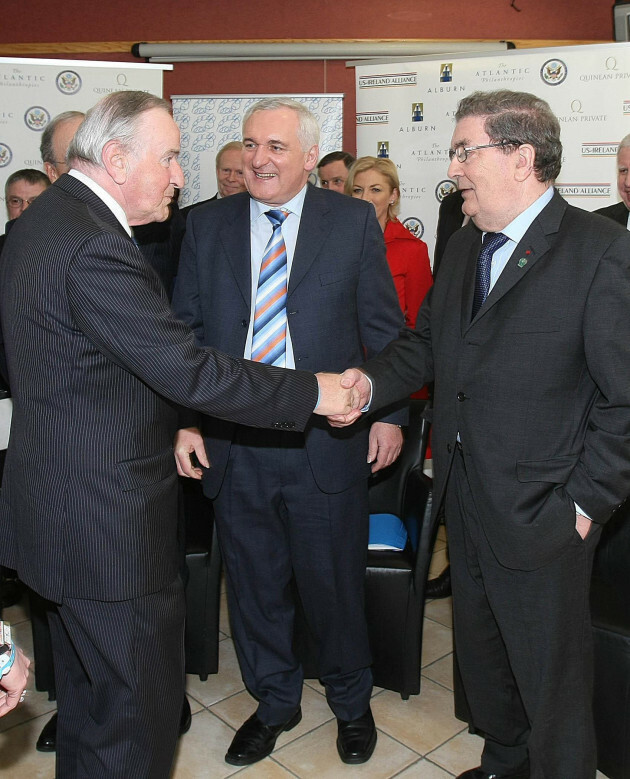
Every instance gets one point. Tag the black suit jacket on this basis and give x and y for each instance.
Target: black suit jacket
(341, 304)
(97, 363)
(618, 212)
(537, 385)
(450, 218)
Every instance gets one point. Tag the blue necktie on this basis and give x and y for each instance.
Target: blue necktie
(491, 242)
(270, 314)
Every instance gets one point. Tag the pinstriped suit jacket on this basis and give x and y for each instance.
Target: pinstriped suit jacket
(97, 365)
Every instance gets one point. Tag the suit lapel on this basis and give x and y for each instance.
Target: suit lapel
(235, 235)
(532, 247)
(315, 226)
(468, 282)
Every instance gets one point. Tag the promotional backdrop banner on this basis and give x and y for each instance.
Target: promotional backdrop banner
(34, 91)
(406, 112)
(208, 122)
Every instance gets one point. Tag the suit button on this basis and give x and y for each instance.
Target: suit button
(244, 322)
(461, 396)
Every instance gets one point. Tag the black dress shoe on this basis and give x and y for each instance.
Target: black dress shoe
(440, 587)
(479, 773)
(254, 740)
(185, 718)
(356, 739)
(47, 741)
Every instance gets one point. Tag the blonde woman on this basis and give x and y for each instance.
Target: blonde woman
(376, 180)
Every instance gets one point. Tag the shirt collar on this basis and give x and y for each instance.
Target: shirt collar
(519, 226)
(109, 201)
(293, 206)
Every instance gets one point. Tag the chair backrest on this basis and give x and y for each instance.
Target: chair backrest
(612, 556)
(387, 487)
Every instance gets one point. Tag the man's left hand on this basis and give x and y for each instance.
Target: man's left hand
(385, 444)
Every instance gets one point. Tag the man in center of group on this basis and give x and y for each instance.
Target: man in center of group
(288, 503)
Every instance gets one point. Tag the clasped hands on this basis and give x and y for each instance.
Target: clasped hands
(341, 398)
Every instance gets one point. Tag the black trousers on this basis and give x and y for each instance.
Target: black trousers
(273, 522)
(119, 670)
(524, 647)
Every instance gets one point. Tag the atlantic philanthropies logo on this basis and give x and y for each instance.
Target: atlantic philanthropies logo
(417, 112)
(382, 149)
(446, 71)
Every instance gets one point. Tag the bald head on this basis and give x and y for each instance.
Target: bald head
(55, 141)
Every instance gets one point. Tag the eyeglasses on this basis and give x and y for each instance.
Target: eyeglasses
(18, 202)
(461, 152)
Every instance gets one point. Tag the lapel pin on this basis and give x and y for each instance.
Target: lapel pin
(522, 262)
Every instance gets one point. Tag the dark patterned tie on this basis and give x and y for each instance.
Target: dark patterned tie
(270, 313)
(491, 242)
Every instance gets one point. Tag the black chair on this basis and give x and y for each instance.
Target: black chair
(394, 581)
(610, 612)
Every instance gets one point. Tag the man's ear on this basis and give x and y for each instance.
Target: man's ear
(310, 161)
(115, 161)
(525, 161)
(51, 171)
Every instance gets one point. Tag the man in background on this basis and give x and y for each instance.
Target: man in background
(332, 170)
(620, 211)
(56, 138)
(22, 188)
(229, 169)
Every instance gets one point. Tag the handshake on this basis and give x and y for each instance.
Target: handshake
(342, 396)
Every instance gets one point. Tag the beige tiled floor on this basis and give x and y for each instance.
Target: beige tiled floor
(417, 739)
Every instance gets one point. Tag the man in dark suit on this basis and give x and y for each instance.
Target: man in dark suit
(619, 211)
(88, 508)
(289, 502)
(531, 430)
(450, 219)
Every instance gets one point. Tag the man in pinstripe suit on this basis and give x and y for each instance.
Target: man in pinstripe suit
(97, 365)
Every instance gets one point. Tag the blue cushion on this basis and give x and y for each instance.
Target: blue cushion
(387, 532)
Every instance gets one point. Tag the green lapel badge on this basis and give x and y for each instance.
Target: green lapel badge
(522, 262)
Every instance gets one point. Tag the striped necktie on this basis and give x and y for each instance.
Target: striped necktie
(491, 242)
(270, 314)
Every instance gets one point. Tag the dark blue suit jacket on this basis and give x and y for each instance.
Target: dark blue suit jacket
(341, 306)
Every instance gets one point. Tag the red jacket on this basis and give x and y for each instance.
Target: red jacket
(408, 260)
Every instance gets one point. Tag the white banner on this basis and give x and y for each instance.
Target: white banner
(208, 122)
(405, 111)
(34, 91)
